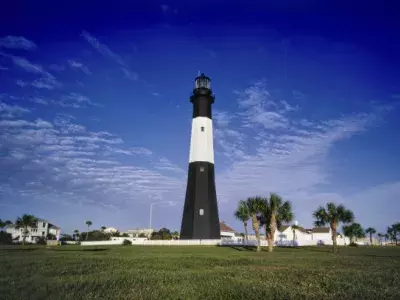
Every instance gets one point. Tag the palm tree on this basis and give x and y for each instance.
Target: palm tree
(103, 228)
(4, 223)
(332, 215)
(76, 234)
(370, 231)
(255, 206)
(386, 237)
(353, 231)
(24, 222)
(380, 236)
(391, 234)
(242, 214)
(294, 227)
(88, 223)
(395, 229)
(275, 212)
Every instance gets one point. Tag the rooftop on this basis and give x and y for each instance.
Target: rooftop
(224, 227)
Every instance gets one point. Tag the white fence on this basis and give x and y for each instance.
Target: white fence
(143, 241)
(223, 242)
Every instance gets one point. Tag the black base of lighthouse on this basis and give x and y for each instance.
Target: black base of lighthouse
(200, 214)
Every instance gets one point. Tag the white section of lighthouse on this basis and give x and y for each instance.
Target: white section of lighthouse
(201, 141)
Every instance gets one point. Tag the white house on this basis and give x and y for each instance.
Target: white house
(139, 231)
(286, 236)
(110, 230)
(229, 234)
(42, 229)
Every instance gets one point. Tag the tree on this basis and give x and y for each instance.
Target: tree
(175, 235)
(370, 231)
(390, 234)
(393, 231)
(4, 223)
(142, 235)
(294, 227)
(24, 222)
(275, 211)
(162, 234)
(353, 231)
(332, 215)
(116, 234)
(242, 214)
(103, 228)
(76, 234)
(255, 206)
(380, 236)
(5, 238)
(386, 237)
(88, 223)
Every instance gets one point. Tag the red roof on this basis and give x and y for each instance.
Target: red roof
(224, 227)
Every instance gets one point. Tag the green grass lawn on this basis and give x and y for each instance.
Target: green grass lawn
(156, 272)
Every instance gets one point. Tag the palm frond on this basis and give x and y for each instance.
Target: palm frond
(242, 212)
(275, 201)
(285, 212)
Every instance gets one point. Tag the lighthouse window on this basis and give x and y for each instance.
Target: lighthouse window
(202, 128)
(201, 212)
(201, 169)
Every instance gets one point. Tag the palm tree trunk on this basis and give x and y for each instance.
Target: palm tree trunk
(370, 237)
(271, 235)
(334, 237)
(294, 236)
(24, 235)
(256, 229)
(87, 234)
(245, 232)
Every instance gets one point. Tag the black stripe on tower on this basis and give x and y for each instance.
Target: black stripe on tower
(202, 99)
(200, 218)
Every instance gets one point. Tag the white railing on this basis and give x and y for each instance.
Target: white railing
(223, 242)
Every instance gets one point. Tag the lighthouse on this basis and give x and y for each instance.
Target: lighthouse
(200, 218)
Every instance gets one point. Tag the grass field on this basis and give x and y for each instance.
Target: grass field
(145, 272)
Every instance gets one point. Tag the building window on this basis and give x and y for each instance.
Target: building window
(202, 128)
(42, 233)
(201, 212)
(201, 169)
(44, 224)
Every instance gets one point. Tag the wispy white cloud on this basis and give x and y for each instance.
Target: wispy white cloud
(102, 48)
(68, 162)
(57, 68)
(164, 8)
(39, 123)
(11, 111)
(106, 51)
(22, 83)
(80, 66)
(76, 100)
(130, 75)
(17, 42)
(165, 164)
(46, 81)
(289, 158)
(39, 100)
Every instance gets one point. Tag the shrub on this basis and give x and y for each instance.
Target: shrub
(352, 244)
(127, 243)
(5, 238)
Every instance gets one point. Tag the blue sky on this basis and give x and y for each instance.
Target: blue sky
(95, 113)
